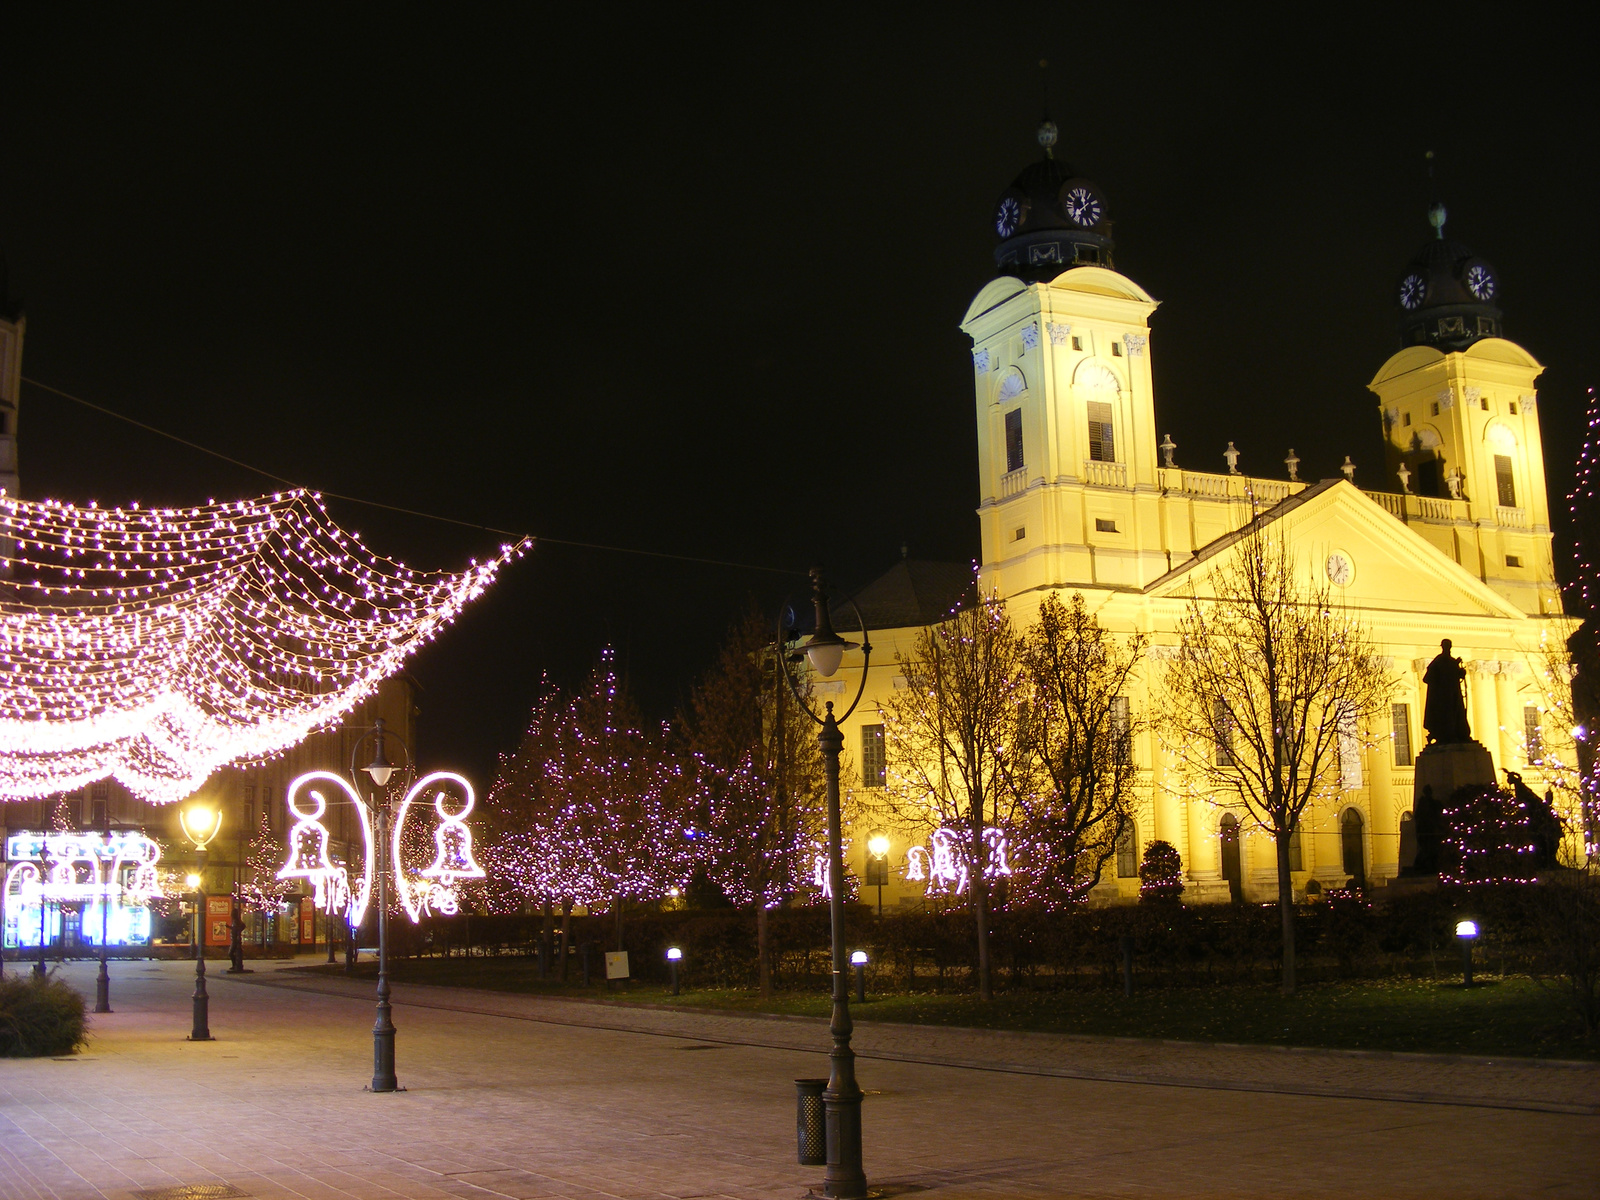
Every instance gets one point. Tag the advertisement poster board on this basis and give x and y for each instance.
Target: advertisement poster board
(308, 921)
(219, 920)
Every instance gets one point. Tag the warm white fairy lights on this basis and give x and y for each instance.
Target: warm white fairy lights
(156, 645)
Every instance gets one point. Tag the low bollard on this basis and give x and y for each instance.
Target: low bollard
(811, 1128)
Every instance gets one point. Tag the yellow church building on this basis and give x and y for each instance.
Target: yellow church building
(1079, 493)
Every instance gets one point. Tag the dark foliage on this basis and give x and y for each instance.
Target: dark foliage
(40, 1017)
(1160, 874)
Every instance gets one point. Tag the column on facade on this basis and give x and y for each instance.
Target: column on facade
(1486, 723)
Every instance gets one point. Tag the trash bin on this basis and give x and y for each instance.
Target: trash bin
(811, 1127)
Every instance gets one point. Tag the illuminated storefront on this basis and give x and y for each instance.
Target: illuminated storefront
(57, 883)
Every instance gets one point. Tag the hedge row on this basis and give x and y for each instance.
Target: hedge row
(1346, 936)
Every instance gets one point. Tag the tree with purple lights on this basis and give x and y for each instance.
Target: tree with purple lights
(758, 778)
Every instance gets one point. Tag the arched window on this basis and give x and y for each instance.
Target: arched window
(1353, 845)
(1232, 869)
(1128, 852)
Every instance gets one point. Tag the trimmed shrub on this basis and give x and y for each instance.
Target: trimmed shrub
(1161, 873)
(40, 1017)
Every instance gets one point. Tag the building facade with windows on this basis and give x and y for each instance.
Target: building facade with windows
(1079, 493)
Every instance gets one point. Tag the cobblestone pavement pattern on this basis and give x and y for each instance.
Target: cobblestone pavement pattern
(515, 1096)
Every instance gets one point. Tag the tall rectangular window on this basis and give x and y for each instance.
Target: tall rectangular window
(1296, 854)
(1400, 718)
(1128, 852)
(1504, 482)
(1014, 440)
(1349, 745)
(1222, 729)
(99, 813)
(874, 762)
(1102, 442)
(1532, 733)
(1121, 730)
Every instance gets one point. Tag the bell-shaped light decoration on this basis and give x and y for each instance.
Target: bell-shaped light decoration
(308, 840)
(453, 860)
(308, 852)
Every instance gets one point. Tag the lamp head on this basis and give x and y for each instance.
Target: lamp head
(824, 648)
(674, 954)
(380, 768)
(200, 823)
(878, 845)
(1466, 929)
(858, 958)
(191, 881)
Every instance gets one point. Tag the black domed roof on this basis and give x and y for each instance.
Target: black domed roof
(1447, 295)
(1050, 218)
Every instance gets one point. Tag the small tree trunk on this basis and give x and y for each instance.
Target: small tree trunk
(1286, 909)
(763, 951)
(566, 933)
(980, 908)
(619, 922)
(546, 930)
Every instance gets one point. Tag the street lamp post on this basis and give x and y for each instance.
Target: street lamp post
(39, 969)
(200, 824)
(845, 1179)
(674, 957)
(102, 984)
(380, 769)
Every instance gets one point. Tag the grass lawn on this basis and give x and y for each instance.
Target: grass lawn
(1510, 1016)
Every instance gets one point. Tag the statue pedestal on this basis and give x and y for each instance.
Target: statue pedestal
(1442, 770)
(1446, 768)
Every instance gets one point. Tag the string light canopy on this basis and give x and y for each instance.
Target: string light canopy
(154, 646)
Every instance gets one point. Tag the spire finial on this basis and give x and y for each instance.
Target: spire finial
(1048, 133)
(1436, 211)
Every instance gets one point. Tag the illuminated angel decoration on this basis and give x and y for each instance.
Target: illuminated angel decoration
(157, 645)
(942, 864)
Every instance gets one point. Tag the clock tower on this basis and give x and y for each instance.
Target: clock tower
(1066, 420)
(1461, 422)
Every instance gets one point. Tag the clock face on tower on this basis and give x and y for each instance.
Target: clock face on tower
(1082, 206)
(1480, 281)
(1340, 569)
(1412, 289)
(1008, 216)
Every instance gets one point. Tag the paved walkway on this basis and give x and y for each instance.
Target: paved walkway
(515, 1096)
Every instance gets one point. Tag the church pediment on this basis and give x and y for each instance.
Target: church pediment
(1338, 532)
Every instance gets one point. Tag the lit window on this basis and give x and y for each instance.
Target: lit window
(874, 762)
(1102, 439)
(1014, 440)
(1533, 733)
(1121, 730)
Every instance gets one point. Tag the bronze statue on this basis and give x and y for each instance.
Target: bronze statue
(1444, 711)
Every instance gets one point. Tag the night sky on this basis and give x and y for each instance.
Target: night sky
(692, 285)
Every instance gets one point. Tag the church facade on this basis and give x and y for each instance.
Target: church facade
(1080, 494)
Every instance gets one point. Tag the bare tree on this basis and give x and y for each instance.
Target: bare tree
(1270, 686)
(1072, 785)
(760, 777)
(952, 731)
